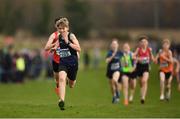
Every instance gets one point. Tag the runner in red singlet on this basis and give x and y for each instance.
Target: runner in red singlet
(143, 56)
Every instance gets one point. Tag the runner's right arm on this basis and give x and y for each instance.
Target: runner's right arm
(108, 59)
(156, 59)
(170, 58)
(50, 45)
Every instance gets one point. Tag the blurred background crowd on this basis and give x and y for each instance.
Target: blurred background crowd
(15, 66)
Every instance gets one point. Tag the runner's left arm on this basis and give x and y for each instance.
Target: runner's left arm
(75, 43)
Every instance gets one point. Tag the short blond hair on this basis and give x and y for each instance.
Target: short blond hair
(166, 41)
(62, 22)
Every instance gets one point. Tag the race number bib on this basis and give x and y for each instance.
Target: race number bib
(164, 64)
(115, 66)
(63, 52)
(144, 60)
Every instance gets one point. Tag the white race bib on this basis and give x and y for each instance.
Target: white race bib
(63, 52)
(164, 64)
(115, 66)
(144, 60)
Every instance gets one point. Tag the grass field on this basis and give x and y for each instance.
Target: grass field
(90, 98)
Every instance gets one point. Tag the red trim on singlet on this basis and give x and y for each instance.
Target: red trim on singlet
(56, 58)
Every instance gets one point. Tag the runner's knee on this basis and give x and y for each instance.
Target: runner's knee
(62, 79)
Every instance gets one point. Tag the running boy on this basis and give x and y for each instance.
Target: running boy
(165, 59)
(127, 72)
(113, 69)
(65, 48)
(143, 56)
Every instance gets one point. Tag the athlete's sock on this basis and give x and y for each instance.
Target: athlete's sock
(131, 98)
(57, 88)
(162, 97)
(117, 94)
(142, 99)
(57, 91)
(114, 100)
(126, 102)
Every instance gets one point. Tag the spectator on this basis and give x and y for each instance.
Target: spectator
(47, 58)
(7, 64)
(20, 68)
(86, 59)
(36, 65)
(96, 57)
(1, 63)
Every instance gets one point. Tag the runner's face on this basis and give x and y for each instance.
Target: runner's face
(114, 45)
(144, 43)
(62, 29)
(166, 46)
(126, 48)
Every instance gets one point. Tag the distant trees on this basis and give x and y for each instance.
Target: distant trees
(42, 26)
(10, 18)
(37, 16)
(78, 14)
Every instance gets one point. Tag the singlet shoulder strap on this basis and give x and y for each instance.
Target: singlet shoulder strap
(69, 36)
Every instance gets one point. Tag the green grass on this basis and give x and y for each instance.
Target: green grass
(90, 98)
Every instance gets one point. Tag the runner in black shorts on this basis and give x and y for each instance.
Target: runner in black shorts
(165, 60)
(113, 70)
(143, 55)
(127, 73)
(141, 68)
(67, 50)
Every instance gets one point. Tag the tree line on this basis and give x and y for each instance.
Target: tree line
(38, 16)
